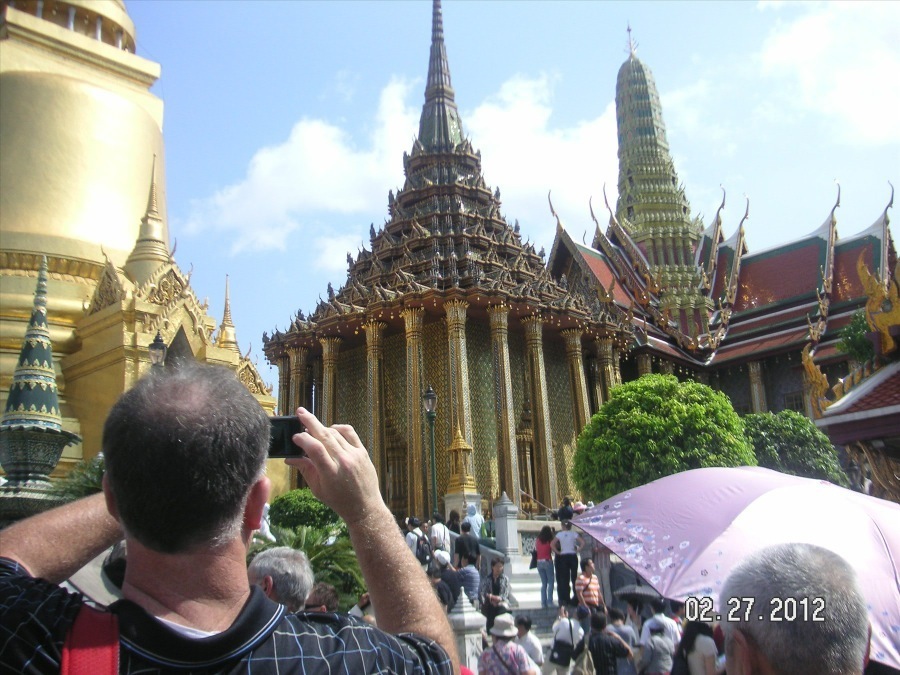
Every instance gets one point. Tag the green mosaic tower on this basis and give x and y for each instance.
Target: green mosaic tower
(652, 205)
(31, 434)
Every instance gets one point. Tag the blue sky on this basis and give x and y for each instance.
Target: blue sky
(286, 121)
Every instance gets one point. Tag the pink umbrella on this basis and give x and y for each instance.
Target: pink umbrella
(684, 533)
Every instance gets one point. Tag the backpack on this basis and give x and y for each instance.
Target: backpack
(680, 664)
(423, 550)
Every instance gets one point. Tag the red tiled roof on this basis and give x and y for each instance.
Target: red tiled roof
(885, 394)
(604, 274)
(769, 321)
(724, 262)
(764, 344)
(846, 284)
(780, 275)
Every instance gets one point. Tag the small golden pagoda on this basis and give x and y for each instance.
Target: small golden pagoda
(449, 295)
(82, 169)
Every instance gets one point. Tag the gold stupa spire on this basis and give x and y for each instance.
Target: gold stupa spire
(227, 338)
(150, 250)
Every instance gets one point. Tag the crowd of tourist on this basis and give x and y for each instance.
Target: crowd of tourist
(192, 604)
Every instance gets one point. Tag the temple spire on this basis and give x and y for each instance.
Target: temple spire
(150, 251)
(632, 45)
(227, 338)
(440, 128)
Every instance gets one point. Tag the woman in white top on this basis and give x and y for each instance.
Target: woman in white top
(564, 630)
(699, 648)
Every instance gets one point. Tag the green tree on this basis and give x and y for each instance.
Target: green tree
(300, 507)
(789, 442)
(656, 426)
(330, 553)
(854, 339)
(85, 479)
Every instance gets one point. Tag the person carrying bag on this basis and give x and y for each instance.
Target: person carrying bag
(562, 651)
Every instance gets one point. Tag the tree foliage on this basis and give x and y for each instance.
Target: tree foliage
(300, 507)
(330, 553)
(789, 442)
(854, 339)
(85, 479)
(656, 426)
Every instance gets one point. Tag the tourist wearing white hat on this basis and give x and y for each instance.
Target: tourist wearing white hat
(505, 656)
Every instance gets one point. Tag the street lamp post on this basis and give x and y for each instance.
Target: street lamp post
(429, 399)
(158, 351)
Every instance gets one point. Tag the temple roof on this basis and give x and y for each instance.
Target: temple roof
(440, 127)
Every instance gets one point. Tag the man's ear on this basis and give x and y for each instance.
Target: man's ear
(743, 657)
(256, 504)
(110, 498)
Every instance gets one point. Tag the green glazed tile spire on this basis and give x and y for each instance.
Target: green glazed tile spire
(440, 128)
(33, 400)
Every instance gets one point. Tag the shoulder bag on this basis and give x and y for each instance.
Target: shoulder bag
(561, 651)
(92, 644)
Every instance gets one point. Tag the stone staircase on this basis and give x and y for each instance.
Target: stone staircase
(525, 589)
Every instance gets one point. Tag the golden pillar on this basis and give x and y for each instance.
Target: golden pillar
(297, 356)
(507, 453)
(607, 379)
(757, 387)
(616, 366)
(644, 364)
(330, 348)
(577, 378)
(459, 367)
(545, 464)
(375, 395)
(415, 489)
(284, 385)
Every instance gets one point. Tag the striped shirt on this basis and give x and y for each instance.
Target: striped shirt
(263, 639)
(589, 589)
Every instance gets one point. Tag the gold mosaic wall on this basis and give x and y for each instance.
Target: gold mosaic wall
(350, 389)
(436, 373)
(483, 408)
(562, 414)
(394, 378)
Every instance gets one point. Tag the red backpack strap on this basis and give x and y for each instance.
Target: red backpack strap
(92, 644)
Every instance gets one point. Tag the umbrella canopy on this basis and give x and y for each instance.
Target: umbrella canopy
(637, 593)
(684, 534)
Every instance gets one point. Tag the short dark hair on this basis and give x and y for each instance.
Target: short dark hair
(465, 526)
(585, 563)
(658, 605)
(182, 450)
(524, 621)
(598, 621)
(615, 614)
(437, 517)
(323, 594)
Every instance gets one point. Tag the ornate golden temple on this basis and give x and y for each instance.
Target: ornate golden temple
(83, 174)
(450, 295)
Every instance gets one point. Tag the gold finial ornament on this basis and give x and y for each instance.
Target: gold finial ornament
(461, 479)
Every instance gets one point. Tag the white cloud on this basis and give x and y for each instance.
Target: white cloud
(525, 156)
(313, 181)
(318, 169)
(841, 60)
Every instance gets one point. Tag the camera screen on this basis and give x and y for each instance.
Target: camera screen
(281, 433)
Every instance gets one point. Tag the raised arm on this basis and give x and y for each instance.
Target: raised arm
(338, 470)
(55, 544)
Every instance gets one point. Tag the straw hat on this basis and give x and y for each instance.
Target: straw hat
(504, 626)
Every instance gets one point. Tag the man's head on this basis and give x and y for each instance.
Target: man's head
(598, 622)
(616, 616)
(183, 450)
(818, 590)
(587, 566)
(284, 574)
(465, 527)
(412, 523)
(437, 517)
(322, 598)
(658, 605)
(523, 625)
